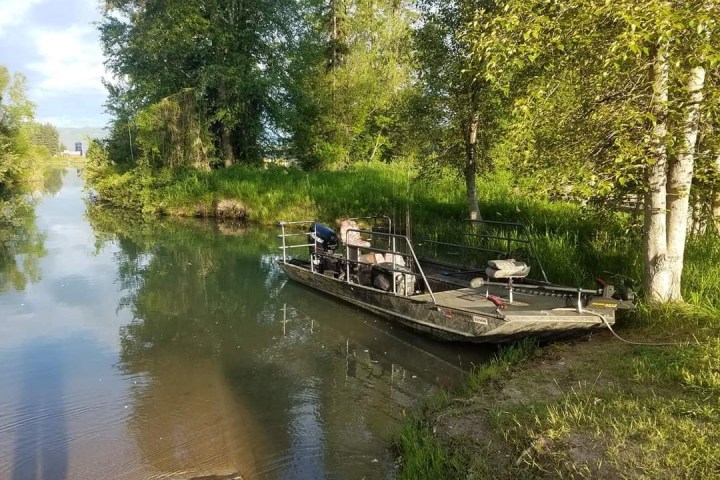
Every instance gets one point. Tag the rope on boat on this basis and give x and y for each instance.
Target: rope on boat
(643, 344)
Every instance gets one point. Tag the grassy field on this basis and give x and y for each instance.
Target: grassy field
(594, 408)
(57, 161)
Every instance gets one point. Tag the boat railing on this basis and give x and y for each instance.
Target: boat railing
(500, 239)
(284, 236)
(396, 243)
(393, 239)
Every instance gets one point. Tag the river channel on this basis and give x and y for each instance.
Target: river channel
(162, 348)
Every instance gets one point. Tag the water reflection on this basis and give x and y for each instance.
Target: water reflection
(41, 438)
(21, 243)
(239, 371)
(177, 349)
(53, 180)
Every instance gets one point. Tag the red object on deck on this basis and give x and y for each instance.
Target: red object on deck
(497, 301)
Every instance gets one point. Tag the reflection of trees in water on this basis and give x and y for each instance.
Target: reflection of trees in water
(195, 296)
(207, 337)
(21, 244)
(53, 180)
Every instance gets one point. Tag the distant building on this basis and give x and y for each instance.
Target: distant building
(79, 148)
(70, 153)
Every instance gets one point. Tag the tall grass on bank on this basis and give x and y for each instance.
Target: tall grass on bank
(271, 194)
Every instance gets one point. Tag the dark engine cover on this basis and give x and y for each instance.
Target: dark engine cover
(324, 239)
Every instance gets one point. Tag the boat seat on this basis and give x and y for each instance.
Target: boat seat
(509, 268)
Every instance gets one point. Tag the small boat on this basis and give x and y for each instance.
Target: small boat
(490, 300)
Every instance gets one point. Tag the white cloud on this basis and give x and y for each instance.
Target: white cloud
(94, 120)
(70, 61)
(14, 12)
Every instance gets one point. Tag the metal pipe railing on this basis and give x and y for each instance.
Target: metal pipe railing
(509, 240)
(284, 235)
(520, 228)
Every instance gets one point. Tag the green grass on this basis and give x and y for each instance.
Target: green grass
(590, 410)
(57, 161)
(422, 455)
(658, 417)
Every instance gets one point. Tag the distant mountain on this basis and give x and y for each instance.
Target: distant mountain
(70, 135)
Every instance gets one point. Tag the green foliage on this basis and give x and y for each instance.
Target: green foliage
(230, 53)
(350, 71)
(577, 73)
(16, 150)
(449, 92)
(47, 136)
(169, 133)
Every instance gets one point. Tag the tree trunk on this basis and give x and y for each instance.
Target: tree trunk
(657, 275)
(227, 148)
(680, 181)
(226, 145)
(471, 166)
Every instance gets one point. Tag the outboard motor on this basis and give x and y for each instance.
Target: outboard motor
(324, 239)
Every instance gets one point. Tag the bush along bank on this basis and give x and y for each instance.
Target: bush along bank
(269, 194)
(265, 195)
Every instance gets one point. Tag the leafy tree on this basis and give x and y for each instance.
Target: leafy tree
(170, 134)
(608, 97)
(46, 135)
(225, 52)
(350, 70)
(16, 111)
(455, 111)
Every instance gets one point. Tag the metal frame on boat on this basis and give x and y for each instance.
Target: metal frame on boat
(380, 271)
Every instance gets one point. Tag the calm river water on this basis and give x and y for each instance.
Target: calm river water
(177, 349)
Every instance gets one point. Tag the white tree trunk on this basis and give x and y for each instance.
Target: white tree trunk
(680, 176)
(471, 166)
(657, 274)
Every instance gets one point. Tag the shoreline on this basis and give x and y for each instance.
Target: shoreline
(592, 407)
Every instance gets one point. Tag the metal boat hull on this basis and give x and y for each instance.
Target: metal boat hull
(461, 314)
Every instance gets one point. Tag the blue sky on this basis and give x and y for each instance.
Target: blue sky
(56, 46)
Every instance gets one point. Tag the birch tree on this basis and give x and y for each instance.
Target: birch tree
(611, 93)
